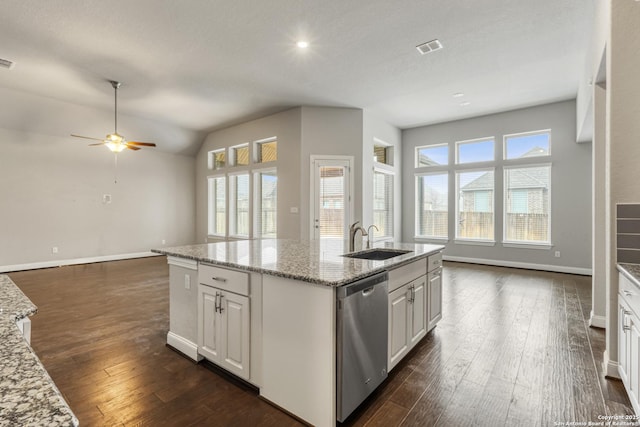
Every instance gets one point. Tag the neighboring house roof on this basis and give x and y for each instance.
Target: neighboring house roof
(424, 160)
(518, 179)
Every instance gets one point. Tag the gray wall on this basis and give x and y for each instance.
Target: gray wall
(284, 125)
(570, 191)
(52, 188)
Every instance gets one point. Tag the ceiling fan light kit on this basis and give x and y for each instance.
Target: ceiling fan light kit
(114, 141)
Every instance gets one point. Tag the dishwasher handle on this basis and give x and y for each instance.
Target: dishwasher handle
(367, 284)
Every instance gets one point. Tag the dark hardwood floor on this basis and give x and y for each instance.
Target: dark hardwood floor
(513, 349)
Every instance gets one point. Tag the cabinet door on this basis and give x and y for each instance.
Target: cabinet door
(434, 297)
(399, 312)
(418, 320)
(633, 362)
(235, 334)
(622, 342)
(208, 323)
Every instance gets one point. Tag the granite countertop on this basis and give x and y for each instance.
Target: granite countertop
(28, 396)
(631, 271)
(317, 262)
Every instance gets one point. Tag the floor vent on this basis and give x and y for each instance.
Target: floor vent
(429, 47)
(5, 63)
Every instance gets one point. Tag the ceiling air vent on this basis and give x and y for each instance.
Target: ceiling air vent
(429, 47)
(5, 63)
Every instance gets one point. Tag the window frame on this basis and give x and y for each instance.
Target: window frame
(525, 243)
(211, 160)
(233, 160)
(417, 161)
(529, 133)
(256, 150)
(457, 144)
(233, 205)
(391, 174)
(257, 202)
(418, 207)
(212, 204)
(468, 240)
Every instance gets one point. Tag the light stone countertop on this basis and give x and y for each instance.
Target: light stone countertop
(317, 262)
(631, 271)
(28, 395)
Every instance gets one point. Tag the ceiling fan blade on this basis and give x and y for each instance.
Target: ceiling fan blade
(130, 147)
(86, 137)
(99, 143)
(142, 144)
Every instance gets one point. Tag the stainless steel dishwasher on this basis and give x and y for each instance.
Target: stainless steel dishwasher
(361, 341)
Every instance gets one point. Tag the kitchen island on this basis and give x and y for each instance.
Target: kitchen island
(265, 310)
(28, 395)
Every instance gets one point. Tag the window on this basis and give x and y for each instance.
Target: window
(239, 189)
(383, 203)
(475, 219)
(240, 155)
(432, 205)
(217, 159)
(382, 152)
(266, 203)
(217, 206)
(525, 145)
(266, 150)
(526, 217)
(433, 155)
(478, 150)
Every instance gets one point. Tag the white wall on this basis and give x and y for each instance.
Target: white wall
(623, 135)
(286, 127)
(331, 131)
(570, 191)
(52, 188)
(376, 128)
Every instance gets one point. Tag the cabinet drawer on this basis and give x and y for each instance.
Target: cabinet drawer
(403, 275)
(434, 261)
(222, 278)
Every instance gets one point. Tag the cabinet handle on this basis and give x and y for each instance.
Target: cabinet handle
(216, 303)
(221, 308)
(626, 328)
(627, 312)
(219, 279)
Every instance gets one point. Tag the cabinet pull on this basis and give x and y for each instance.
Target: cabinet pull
(627, 312)
(220, 307)
(626, 328)
(216, 303)
(219, 279)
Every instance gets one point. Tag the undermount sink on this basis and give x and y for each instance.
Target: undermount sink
(376, 254)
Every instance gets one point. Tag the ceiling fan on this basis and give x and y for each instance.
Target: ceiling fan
(114, 141)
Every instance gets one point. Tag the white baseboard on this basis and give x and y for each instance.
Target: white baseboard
(610, 367)
(61, 262)
(525, 265)
(184, 346)
(597, 321)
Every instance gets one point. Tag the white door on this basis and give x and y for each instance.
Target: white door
(331, 204)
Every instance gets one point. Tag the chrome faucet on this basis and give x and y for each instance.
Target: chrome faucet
(352, 234)
(370, 234)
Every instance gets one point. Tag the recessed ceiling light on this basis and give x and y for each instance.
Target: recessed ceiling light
(302, 44)
(429, 47)
(465, 104)
(458, 95)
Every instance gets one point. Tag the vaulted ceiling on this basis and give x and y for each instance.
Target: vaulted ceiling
(199, 65)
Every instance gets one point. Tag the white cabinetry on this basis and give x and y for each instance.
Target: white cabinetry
(434, 286)
(407, 319)
(223, 319)
(629, 339)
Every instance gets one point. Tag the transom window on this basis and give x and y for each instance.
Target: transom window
(266, 150)
(432, 155)
(217, 159)
(240, 155)
(474, 151)
(526, 145)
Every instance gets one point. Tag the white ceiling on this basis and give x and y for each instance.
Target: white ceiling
(205, 64)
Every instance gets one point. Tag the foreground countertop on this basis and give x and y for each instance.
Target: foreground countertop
(317, 262)
(631, 271)
(28, 396)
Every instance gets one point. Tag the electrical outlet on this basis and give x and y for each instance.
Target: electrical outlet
(557, 254)
(106, 199)
(187, 282)
(54, 250)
